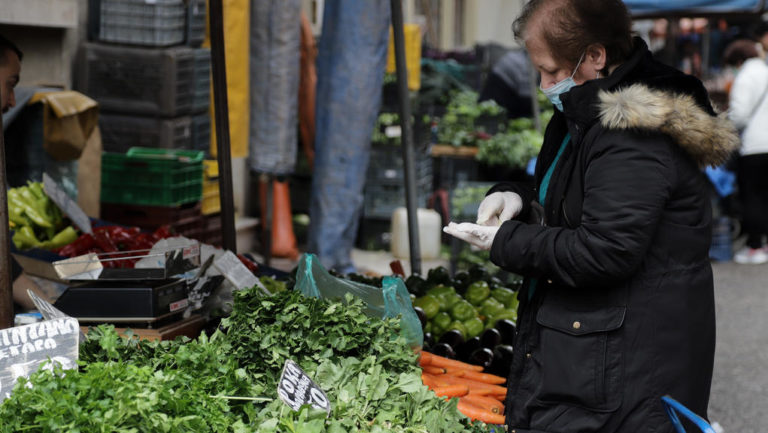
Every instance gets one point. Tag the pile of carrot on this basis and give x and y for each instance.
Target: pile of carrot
(481, 396)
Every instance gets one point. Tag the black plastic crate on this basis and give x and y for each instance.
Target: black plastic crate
(201, 86)
(121, 132)
(156, 23)
(381, 199)
(144, 81)
(386, 163)
(196, 18)
(201, 132)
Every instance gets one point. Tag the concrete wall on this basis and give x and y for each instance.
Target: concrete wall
(48, 32)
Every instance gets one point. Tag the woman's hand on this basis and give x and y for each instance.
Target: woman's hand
(477, 235)
(499, 207)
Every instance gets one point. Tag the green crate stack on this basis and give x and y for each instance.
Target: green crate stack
(150, 176)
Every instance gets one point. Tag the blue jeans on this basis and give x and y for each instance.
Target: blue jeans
(350, 67)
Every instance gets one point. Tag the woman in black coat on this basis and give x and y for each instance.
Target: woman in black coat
(617, 308)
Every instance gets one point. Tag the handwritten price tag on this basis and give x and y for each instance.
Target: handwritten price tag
(296, 389)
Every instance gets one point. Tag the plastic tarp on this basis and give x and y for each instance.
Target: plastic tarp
(658, 7)
(237, 14)
(274, 60)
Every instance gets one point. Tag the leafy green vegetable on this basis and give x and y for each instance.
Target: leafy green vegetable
(228, 383)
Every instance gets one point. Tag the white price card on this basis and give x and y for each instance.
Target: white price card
(296, 389)
(235, 271)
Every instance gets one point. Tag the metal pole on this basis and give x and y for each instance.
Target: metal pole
(221, 112)
(6, 285)
(407, 136)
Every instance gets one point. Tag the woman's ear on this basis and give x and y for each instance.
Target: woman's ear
(596, 57)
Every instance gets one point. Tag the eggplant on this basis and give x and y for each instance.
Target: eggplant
(490, 338)
(507, 329)
(453, 338)
(444, 350)
(502, 360)
(422, 316)
(482, 357)
(465, 350)
(429, 338)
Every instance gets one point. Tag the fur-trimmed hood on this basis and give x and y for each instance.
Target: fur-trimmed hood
(710, 140)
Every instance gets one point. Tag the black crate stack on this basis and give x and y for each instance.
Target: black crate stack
(145, 66)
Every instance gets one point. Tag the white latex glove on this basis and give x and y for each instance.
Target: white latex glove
(499, 207)
(475, 234)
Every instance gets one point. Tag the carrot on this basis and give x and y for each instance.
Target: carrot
(439, 361)
(487, 403)
(474, 412)
(433, 370)
(499, 397)
(428, 380)
(438, 380)
(451, 391)
(475, 375)
(425, 359)
(473, 384)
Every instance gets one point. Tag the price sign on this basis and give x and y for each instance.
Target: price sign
(235, 271)
(48, 311)
(66, 204)
(24, 348)
(296, 389)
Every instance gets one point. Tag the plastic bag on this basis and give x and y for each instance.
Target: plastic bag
(391, 300)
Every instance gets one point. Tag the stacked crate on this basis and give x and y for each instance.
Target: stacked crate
(150, 187)
(148, 73)
(146, 69)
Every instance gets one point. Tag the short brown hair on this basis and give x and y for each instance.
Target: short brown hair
(577, 24)
(738, 51)
(5, 46)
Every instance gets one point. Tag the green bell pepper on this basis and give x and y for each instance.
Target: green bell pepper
(459, 326)
(490, 307)
(429, 304)
(504, 295)
(503, 314)
(477, 292)
(463, 310)
(449, 300)
(440, 322)
(441, 290)
(474, 327)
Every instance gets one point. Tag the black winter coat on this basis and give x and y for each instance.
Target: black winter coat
(623, 310)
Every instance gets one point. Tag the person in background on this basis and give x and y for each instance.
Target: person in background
(761, 36)
(509, 84)
(10, 73)
(748, 109)
(351, 61)
(617, 306)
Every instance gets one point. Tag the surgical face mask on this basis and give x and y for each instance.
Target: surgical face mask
(553, 93)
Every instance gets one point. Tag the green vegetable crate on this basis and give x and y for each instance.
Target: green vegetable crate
(150, 176)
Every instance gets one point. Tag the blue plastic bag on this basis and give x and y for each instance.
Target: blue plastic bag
(391, 300)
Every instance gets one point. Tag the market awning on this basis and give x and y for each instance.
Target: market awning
(643, 8)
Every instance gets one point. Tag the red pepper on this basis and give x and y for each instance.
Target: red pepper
(80, 246)
(101, 236)
(253, 267)
(162, 232)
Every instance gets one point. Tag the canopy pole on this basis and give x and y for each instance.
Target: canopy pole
(221, 113)
(6, 285)
(407, 136)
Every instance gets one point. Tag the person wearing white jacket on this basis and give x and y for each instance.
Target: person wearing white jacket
(748, 110)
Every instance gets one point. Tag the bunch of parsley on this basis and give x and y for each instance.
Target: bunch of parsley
(228, 383)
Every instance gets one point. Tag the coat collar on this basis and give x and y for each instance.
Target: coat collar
(645, 94)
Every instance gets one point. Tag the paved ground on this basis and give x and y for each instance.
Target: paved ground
(739, 398)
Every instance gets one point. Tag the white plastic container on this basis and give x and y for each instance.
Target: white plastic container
(429, 233)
